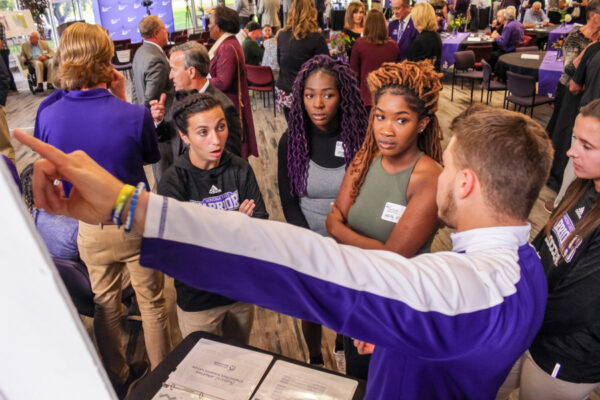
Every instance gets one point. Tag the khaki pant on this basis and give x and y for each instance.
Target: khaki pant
(233, 321)
(5, 144)
(107, 250)
(536, 384)
(39, 69)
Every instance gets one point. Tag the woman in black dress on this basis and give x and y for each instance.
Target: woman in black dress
(428, 45)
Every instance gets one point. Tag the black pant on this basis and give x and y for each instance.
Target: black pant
(4, 53)
(357, 365)
(560, 128)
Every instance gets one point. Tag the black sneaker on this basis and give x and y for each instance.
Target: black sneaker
(137, 371)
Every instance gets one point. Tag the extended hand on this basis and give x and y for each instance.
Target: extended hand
(364, 347)
(157, 108)
(94, 189)
(247, 207)
(335, 218)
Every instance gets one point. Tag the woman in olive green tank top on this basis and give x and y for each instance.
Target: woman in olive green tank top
(387, 198)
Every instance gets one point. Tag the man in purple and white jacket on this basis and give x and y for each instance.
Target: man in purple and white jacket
(445, 325)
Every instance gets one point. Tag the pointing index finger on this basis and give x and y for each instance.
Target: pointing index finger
(50, 153)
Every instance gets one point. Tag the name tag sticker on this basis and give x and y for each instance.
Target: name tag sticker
(339, 149)
(392, 212)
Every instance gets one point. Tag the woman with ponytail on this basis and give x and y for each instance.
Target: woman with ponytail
(327, 123)
(387, 198)
(564, 362)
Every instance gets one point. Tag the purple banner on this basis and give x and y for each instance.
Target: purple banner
(554, 36)
(121, 17)
(450, 46)
(549, 74)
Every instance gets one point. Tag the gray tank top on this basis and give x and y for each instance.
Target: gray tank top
(321, 189)
(381, 202)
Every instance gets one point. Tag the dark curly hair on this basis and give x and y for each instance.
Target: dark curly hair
(353, 117)
(420, 85)
(227, 19)
(192, 104)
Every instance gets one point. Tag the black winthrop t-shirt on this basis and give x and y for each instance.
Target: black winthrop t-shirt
(569, 340)
(224, 187)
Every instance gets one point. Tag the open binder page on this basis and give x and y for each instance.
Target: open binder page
(215, 371)
(287, 381)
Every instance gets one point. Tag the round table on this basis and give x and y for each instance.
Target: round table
(515, 63)
(540, 33)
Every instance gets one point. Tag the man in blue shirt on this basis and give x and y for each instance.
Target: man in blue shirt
(535, 17)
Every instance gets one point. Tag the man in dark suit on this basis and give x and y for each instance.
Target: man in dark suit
(151, 77)
(401, 29)
(189, 67)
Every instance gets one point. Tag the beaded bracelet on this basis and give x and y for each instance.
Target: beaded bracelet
(120, 203)
(134, 199)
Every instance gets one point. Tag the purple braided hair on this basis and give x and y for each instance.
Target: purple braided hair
(354, 119)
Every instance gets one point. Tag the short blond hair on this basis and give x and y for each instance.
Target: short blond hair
(423, 17)
(148, 25)
(84, 56)
(352, 8)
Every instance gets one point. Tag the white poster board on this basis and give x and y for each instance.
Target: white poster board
(45, 352)
(17, 23)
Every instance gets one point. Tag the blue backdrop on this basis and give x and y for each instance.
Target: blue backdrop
(121, 17)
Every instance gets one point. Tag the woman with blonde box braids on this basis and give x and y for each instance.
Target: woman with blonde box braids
(387, 199)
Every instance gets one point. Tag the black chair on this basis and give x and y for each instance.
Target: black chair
(176, 34)
(489, 84)
(121, 44)
(464, 68)
(522, 92)
(482, 52)
(123, 62)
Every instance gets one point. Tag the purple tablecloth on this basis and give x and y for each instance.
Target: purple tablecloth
(549, 74)
(555, 35)
(450, 46)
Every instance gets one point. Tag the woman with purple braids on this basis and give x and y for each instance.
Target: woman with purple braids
(326, 127)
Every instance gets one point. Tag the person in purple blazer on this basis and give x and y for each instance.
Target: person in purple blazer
(401, 30)
(512, 35)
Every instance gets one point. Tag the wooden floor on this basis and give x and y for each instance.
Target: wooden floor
(273, 331)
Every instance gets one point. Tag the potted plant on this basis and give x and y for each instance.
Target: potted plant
(558, 47)
(565, 18)
(458, 22)
(340, 44)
